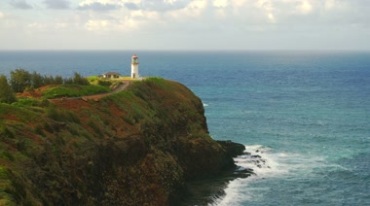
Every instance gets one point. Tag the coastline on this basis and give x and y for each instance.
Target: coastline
(151, 138)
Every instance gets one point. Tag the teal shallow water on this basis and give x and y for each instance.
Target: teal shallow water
(306, 114)
(311, 117)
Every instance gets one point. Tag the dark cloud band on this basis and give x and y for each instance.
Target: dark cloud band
(99, 7)
(57, 4)
(20, 4)
(158, 5)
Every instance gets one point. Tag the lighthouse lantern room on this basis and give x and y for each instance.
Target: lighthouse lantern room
(134, 67)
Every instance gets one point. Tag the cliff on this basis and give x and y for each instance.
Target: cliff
(136, 147)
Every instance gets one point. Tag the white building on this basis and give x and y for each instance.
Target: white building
(135, 67)
(111, 75)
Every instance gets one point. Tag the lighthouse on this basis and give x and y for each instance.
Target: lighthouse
(134, 67)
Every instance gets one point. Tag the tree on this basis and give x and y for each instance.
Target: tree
(37, 80)
(48, 80)
(58, 80)
(78, 79)
(6, 92)
(20, 79)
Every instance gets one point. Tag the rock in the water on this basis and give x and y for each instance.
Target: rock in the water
(233, 149)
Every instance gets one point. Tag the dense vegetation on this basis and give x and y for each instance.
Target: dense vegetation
(6, 92)
(136, 147)
(56, 86)
(21, 79)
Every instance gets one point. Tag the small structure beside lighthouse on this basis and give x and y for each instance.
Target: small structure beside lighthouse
(134, 67)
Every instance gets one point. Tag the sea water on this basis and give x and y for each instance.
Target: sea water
(305, 114)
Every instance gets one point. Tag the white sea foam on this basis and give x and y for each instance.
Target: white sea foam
(263, 163)
(205, 105)
(266, 163)
(232, 194)
(262, 160)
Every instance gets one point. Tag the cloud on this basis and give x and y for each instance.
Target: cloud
(271, 17)
(267, 9)
(97, 25)
(57, 4)
(288, 11)
(144, 5)
(305, 7)
(96, 6)
(157, 5)
(20, 4)
(211, 21)
(195, 9)
(105, 5)
(214, 15)
(238, 3)
(220, 3)
(130, 21)
(37, 26)
(164, 5)
(131, 6)
(329, 4)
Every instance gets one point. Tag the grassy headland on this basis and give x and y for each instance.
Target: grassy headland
(136, 147)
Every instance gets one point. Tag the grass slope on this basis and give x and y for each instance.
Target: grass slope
(135, 147)
(73, 91)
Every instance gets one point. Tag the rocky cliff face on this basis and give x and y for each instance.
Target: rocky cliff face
(136, 147)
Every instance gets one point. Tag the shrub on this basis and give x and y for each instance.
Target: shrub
(20, 80)
(73, 130)
(71, 117)
(79, 80)
(104, 83)
(37, 80)
(5, 132)
(39, 130)
(62, 115)
(129, 119)
(26, 102)
(7, 155)
(53, 113)
(6, 92)
(96, 129)
(48, 127)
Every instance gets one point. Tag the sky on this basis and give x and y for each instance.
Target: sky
(185, 25)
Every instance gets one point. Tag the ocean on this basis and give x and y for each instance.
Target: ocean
(306, 114)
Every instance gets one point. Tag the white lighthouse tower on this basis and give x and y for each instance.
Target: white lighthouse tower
(134, 67)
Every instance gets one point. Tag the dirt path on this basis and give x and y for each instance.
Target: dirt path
(97, 97)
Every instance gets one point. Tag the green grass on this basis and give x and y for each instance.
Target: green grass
(74, 91)
(5, 184)
(93, 79)
(5, 108)
(50, 147)
(21, 113)
(27, 102)
(6, 132)
(62, 115)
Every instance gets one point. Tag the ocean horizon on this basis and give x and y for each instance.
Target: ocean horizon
(305, 113)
